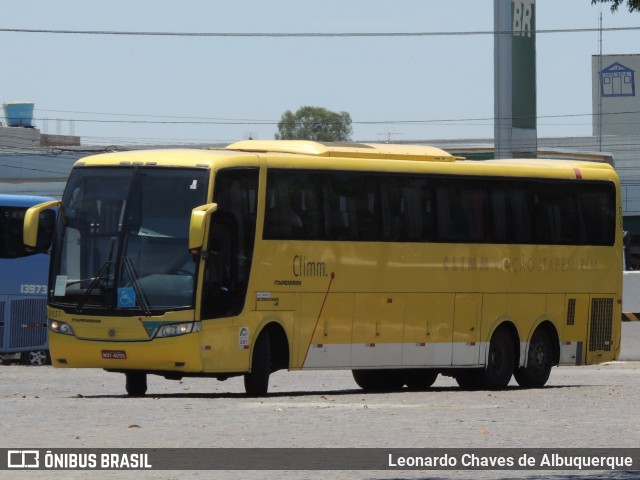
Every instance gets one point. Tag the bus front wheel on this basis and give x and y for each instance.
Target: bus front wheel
(35, 358)
(256, 382)
(136, 383)
(539, 362)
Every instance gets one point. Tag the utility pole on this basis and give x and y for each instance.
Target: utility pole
(515, 114)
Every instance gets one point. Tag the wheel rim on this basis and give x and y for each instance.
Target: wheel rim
(37, 358)
(538, 357)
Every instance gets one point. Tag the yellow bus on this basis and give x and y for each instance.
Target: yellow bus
(399, 263)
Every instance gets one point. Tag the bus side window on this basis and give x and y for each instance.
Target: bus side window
(282, 219)
(413, 215)
(11, 224)
(11, 232)
(451, 221)
(393, 225)
(510, 213)
(499, 213)
(556, 215)
(597, 207)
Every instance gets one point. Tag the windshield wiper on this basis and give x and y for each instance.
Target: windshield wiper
(105, 269)
(136, 285)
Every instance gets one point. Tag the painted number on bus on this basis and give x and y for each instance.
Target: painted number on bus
(33, 288)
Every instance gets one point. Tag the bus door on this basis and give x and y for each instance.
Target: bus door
(227, 260)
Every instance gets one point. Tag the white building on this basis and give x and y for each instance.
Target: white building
(616, 103)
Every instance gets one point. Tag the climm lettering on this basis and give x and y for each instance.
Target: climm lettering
(466, 264)
(304, 267)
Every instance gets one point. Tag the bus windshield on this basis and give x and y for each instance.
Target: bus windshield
(122, 239)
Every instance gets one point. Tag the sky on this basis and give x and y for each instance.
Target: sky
(121, 89)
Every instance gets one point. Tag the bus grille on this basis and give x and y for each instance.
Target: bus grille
(28, 323)
(601, 324)
(571, 311)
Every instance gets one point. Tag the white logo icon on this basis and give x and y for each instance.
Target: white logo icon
(23, 459)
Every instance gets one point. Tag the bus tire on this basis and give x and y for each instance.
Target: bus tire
(500, 361)
(256, 382)
(136, 383)
(379, 380)
(420, 379)
(35, 358)
(539, 362)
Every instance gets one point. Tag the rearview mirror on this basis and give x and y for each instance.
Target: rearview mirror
(197, 227)
(39, 225)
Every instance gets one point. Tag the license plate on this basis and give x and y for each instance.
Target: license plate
(114, 354)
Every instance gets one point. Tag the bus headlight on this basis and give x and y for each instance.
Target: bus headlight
(60, 327)
(177, 329)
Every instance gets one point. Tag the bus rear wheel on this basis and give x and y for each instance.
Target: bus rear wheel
(136, 383)
(539, 362)
(499, 369)
(256, 382)
(379, 380)
(501, 361)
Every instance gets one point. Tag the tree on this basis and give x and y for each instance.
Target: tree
(633, 5)
(315, 123)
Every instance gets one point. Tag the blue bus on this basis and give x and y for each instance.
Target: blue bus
(23, 287)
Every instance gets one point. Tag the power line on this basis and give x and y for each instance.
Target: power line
(308, 34)
(207, 121)
(148, 115)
